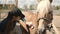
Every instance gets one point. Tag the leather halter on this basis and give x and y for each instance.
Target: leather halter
(48, 26)
(44, 19)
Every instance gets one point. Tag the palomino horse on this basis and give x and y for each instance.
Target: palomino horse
(45, 16)
(44, 11)
(8, 24)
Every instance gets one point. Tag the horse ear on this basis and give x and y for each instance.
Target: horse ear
(9, 14)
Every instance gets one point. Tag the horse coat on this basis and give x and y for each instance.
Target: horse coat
(8, 24)
(44, 10)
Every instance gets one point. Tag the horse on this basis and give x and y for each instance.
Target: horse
(42, 19)
(35, 18)
(8, 24)
(45, 17)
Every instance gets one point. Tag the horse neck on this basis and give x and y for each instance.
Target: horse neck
(9, 25)
(10, 21)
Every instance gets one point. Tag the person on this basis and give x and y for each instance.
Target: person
(45, 14)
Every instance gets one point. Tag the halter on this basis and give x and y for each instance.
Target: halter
(45, 19)
(49, 26)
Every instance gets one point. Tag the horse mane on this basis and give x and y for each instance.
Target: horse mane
(43, 7)
(3, 24)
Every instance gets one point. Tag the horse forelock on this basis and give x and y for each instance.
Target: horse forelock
(43, 7)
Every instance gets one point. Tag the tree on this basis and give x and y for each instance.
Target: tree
(56, 7)
(26, 8)
(31, 7)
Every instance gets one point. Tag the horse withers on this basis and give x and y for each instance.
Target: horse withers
(7, 25)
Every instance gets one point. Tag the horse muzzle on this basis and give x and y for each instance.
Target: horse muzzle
(23, 19)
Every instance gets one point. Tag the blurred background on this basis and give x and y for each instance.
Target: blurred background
(25, 4)
(28, 5)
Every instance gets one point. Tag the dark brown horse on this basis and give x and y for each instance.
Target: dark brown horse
(8, 24)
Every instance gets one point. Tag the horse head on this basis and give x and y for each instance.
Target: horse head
(16, 14)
